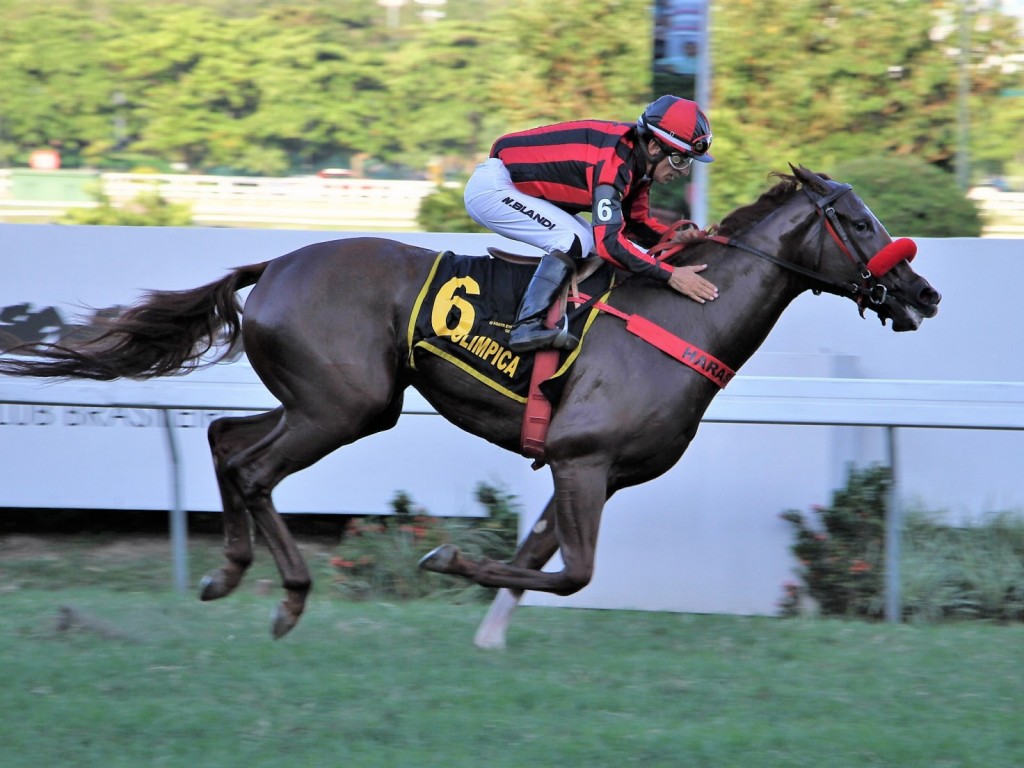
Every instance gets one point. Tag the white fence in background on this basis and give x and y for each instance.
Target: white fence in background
(779, 401)
(1003, 212)
(300, 201)
(368, 203)
(347, 203)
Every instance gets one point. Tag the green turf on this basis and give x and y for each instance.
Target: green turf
(155, 679)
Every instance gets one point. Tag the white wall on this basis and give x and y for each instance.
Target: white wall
(116, 459)
(706, 537)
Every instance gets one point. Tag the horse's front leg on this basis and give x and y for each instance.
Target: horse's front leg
(580, 491)
(534, 551)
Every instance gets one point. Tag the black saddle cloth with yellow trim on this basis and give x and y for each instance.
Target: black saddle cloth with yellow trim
(464, 313)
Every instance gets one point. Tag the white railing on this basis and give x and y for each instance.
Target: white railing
(891, 404)
(1003, 212)
(347, 203)
(295, 201)
(186, 187)
(312, 201)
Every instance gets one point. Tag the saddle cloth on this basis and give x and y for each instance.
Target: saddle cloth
(464, 313)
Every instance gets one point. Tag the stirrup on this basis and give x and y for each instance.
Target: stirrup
(564, 339)
(545, 338)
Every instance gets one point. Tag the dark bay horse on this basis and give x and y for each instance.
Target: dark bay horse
(325, 328)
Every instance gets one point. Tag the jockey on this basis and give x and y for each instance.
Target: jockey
(537, 182)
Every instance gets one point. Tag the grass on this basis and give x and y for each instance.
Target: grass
(152, 679)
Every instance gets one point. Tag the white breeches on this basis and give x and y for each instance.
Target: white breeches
(494, 202)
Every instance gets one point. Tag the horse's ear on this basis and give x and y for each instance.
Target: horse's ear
(809, 178)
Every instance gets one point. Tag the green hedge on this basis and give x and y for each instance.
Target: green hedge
(947, 571)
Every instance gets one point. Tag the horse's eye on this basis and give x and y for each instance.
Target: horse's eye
(862, 225)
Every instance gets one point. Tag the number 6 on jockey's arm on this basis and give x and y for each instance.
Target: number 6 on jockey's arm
(612, 244)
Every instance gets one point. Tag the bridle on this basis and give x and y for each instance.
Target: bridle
(869, 268)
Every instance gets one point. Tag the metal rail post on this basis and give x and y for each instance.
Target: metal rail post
(893, 537)
(179, 522)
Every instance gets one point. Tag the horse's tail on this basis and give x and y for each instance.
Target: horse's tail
(165, 333)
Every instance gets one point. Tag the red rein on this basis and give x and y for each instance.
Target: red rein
(891, 255)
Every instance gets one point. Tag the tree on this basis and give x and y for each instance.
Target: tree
(55, 93)
(822, 83)
(445, 211)
(568, 59)
(912, 198)
(271, 87)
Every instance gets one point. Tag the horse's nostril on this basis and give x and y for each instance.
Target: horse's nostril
(928, 296)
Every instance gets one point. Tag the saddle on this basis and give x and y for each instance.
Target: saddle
(584, 267)
(537, 415)
(465, 310)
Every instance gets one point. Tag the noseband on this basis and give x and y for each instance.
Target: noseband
(869, 269)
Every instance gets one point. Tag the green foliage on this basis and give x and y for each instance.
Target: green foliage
(445, 211)
(841, 550)
(912, 198)
(974, 572)
(378, 556)
(270, 87)
(179, 682)
(947, 572)
(820, 84)
(148, 209)
(502, 520)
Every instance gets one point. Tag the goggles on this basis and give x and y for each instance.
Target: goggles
(679, 161)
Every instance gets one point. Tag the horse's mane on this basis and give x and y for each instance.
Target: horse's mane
(769, 201)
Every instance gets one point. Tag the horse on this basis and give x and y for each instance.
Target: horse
(325, 329)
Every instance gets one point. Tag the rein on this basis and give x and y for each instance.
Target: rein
(868, 269)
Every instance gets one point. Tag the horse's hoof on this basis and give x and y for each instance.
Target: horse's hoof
(214, 585)
(282, 621)
(489, 642)
(439, 560)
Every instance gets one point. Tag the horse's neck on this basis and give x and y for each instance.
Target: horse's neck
(759, 291)
(757, 298)
(753, 294)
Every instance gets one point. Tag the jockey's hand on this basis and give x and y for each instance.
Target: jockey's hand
(693, 234)
(688, 282)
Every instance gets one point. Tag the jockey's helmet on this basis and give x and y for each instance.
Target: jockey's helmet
(679, 125)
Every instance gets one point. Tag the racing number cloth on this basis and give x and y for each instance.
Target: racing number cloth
(464, 313)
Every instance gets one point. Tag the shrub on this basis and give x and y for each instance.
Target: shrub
(974, 572)
(445, 211)
(841, 552)
(946, 571)
(379, 554)
(912, 198)
(148, 209)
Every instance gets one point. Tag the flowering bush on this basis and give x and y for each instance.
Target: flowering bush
(947, 571)
(378, 556)
(841, 551)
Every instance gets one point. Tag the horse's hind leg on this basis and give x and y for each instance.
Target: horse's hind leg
(229, 437)
(298, 440)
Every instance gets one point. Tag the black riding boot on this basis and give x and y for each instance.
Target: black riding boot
(529, 332)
